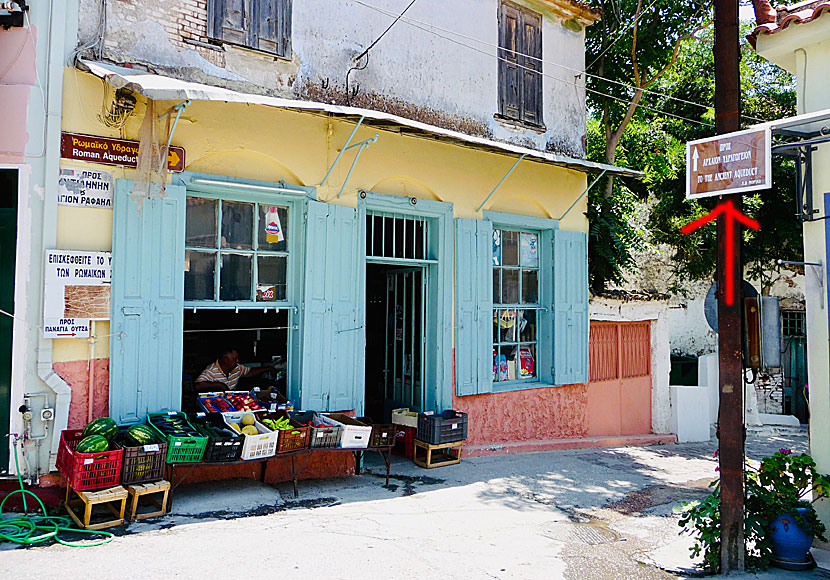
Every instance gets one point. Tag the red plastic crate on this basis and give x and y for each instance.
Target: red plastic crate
(404, 441)
(87, 471)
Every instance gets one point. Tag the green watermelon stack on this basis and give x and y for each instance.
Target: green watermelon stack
(105, 427)
(139, 435)
(92, 444)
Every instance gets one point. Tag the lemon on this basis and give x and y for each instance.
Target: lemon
(250, 430)
(248, 419)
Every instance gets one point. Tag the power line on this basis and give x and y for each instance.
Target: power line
(620, 35)
(572, 83)
(428, 28)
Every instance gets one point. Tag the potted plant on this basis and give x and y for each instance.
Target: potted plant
(780, 492)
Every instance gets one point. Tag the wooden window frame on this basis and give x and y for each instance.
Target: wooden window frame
(520, 60)
(249, 37)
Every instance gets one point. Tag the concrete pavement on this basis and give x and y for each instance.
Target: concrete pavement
(577, 514)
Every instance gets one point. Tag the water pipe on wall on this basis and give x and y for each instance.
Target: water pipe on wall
(91, 364)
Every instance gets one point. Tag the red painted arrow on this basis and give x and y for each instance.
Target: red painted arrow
(730, 214)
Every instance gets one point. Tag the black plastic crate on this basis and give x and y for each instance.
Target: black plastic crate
(218, 449)
(446, 427)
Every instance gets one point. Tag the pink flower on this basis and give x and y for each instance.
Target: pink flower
(786, 451)
(717, 468)
(715, 454)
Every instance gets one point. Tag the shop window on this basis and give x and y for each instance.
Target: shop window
(520, 64)
(515, 304)
(263, 25)
(793, 323)
(235, 251)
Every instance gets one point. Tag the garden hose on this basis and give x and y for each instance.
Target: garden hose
(29, 530)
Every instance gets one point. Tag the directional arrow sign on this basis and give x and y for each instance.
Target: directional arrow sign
(731, 215)
(109, 151)
(729, 163)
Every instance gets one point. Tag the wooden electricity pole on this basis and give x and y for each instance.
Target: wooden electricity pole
(730, 415)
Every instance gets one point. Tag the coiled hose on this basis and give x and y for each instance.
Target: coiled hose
(29, 530)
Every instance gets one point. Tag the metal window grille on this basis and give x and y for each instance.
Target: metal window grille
(793, 323)
(395, 237)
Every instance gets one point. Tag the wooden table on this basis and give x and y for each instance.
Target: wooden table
(296, 470)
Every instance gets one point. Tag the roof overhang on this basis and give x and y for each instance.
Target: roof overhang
(163, 88)
(806, 126)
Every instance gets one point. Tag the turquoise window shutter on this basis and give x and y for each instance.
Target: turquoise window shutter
(473, 307)
(570, 305)
(333, 357)
(147, 301)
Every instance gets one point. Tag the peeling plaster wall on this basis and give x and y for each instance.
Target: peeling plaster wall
(413, 71)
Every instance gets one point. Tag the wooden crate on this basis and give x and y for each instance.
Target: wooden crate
(428, 455)
(156, 494)
(113, 498)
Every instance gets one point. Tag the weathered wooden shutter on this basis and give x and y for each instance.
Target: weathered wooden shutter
(274, 27)
(531, 71)
(570, 305)
(473, 306)
(147, 303)
(230, 20)
(332, 352)
(509, 76)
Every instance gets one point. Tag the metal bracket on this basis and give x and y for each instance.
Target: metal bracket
(802, 153)
(498, 185)
(819, 275)
(584, 193)
(361, 146)
(179, 110)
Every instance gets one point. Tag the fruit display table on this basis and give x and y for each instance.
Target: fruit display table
(299, 458)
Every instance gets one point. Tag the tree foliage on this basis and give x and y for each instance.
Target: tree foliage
(650, 90)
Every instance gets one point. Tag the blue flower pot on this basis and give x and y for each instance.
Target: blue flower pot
(790, 542)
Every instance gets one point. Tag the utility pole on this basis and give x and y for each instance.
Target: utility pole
(731, 387)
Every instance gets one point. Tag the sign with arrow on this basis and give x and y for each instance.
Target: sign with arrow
(108, 151)
(729, 163)
(76, 289)
(731, 215)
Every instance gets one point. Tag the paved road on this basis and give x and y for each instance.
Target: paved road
(582, 514)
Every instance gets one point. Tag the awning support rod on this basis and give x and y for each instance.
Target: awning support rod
(179, 110)
(361, 146)
(498, 185)
(584, 193)
(343, 150)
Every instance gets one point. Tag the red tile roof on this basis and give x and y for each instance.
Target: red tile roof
(771, 20)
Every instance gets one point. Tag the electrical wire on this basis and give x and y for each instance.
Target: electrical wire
(431, 28)
(622, 32)
(30, 530)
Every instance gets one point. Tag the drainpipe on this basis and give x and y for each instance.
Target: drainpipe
(61, 19)
(91, 363)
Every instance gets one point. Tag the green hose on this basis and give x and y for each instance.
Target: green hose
(29, 530)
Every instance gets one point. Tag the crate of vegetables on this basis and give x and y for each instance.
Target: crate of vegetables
(215, 403)
(224, 443)
(144, 454)
(184, 443)
(293, 436)
(260, 441)
(355, 434)
(242, 401)
(322, 434)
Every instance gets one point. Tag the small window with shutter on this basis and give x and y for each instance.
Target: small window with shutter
(263, 25)
(520, 64)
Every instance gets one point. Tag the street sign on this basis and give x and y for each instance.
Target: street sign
(110, 151)
(76, 290)
(729, 163)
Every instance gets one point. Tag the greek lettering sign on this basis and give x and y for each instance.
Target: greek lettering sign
(112, 151)
(83, 188)
(76, 289)
(730, 163)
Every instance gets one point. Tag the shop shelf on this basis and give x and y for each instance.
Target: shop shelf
(143, 463)
(180, 448)
(87, 471)
(321, 437)
(446, 427)
(263, 444)
(218, 449)
(355, 434)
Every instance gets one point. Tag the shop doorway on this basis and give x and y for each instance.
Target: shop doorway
(395, 338)
(8, 243)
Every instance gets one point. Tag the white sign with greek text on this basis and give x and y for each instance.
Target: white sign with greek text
(85, 188)
(76, 290)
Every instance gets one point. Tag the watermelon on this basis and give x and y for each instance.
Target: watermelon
(105, 427)
(139, 435)
(93, 444)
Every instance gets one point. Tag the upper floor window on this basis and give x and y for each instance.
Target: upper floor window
(520, 64)
(263, 25)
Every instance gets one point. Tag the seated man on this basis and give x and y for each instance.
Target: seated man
(224, 374)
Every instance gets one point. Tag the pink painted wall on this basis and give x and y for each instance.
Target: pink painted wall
(76, 375)
(17, 77)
